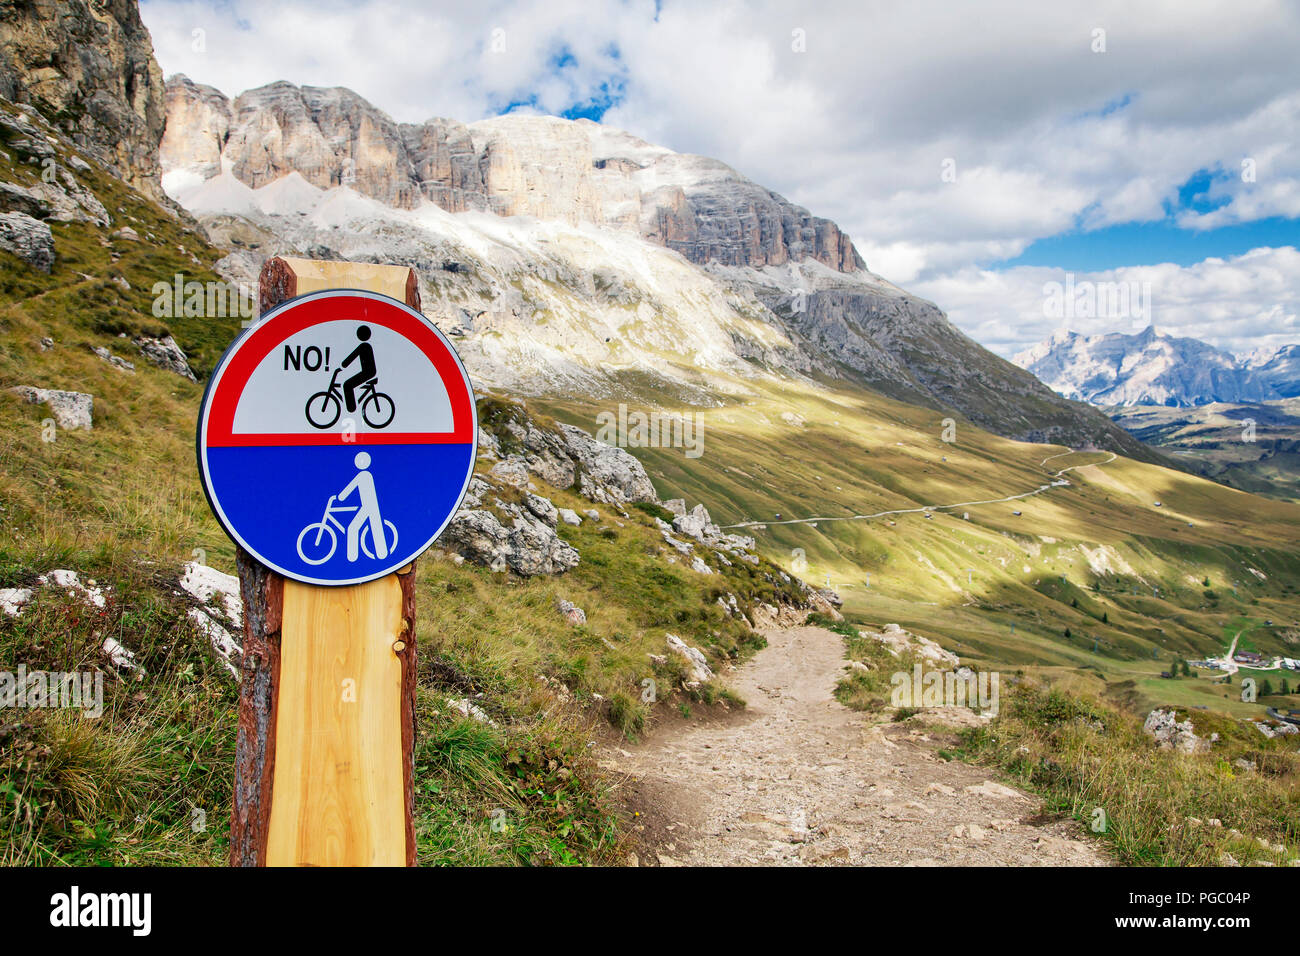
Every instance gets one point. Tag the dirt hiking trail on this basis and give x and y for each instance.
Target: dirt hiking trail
(799, 779)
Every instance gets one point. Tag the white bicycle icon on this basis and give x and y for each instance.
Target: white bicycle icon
(318, 552)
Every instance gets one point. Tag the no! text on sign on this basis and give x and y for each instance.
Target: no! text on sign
(337, 436)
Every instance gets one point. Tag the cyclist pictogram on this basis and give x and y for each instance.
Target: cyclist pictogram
(377, 408)
(367, 531)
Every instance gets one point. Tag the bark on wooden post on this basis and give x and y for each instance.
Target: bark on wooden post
(263, 594)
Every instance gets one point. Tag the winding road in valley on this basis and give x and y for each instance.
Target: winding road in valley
(1058, 482)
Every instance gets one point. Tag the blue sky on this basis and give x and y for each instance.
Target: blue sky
(1151, 243)
(1107, 139)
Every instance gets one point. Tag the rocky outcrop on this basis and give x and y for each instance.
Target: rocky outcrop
(697, 524)
(71, 410)
(604, 472)
(568, 457)
(27, 238)
(507, 536)
(61, 198)
(89, 67)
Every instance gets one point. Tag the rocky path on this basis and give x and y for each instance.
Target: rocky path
(799, 779)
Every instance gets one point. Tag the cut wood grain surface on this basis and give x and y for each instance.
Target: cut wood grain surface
(339, 791)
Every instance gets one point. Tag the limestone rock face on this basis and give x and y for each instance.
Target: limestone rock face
(89, 66)
(198, 125)
(541, 166)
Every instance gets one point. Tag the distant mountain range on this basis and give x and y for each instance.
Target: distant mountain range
(1151, 368)
(1280, 368)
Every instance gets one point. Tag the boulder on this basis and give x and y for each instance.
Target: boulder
(71, 410)
(694, 524)
(166, 354)
(1171, 734)
(528, 548)
(569, 516)
(27, 238)
(607, 473)
(698, 663)
(571, 612)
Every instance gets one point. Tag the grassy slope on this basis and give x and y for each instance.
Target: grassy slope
(1210, 440)
(121, 505)
(999, 589)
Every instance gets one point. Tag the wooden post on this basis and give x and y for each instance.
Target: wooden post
(327, 698)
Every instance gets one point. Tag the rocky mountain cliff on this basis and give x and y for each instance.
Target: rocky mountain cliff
(89, 67)
(568, 255)
(520, 166)
(1148, 368)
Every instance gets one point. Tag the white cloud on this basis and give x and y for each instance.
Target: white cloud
(1045, 133)
(1238, 304)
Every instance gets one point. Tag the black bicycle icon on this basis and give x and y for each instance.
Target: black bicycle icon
(324, 408)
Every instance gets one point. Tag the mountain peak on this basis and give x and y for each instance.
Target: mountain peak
(1123, 369)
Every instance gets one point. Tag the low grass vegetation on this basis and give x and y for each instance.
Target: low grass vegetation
(1239, 801)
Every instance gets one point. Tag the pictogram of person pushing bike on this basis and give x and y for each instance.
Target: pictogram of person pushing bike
(368, 531)
(377, 408)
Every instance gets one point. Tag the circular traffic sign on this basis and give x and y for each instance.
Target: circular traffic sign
(337, 436)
